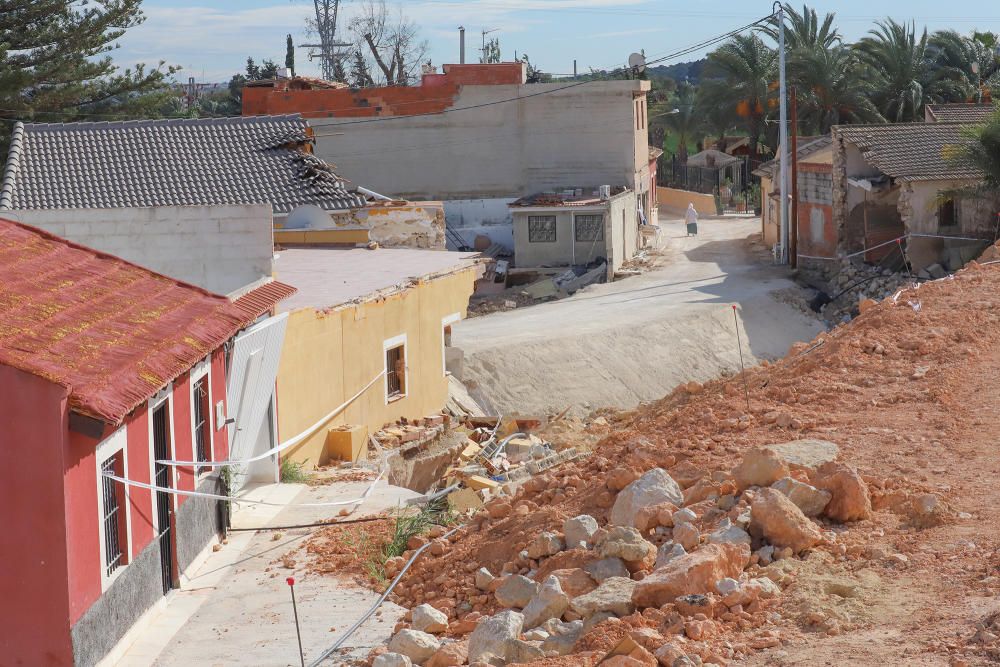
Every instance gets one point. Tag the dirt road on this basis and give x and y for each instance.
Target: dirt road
(618, 344)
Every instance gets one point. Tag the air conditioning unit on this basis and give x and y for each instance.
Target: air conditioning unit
(604, 191)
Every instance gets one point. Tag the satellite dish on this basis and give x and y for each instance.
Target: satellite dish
(637, 62)
(308, 216)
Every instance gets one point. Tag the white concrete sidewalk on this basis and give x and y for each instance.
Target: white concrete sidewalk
(231, 612)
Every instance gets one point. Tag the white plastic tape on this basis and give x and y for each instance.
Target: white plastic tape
(213, 496)
(285, 445)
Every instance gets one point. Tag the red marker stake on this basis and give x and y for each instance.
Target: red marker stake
(291, 586)
(739, 346)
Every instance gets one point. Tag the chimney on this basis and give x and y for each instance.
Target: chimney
(461, 45)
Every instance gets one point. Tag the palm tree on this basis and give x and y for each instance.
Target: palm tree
(903, 71)
(831, 88)
(688, 120)
(983, 151)
(746, 70)
(969, 65)
(804, 31)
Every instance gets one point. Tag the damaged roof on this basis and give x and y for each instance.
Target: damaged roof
(111, 332)
(807, 146)
(912, 151)
(970, 114)
(568, 197)
(177, 162)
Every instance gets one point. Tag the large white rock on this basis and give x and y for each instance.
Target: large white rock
(428, 619)
(807, 453)
(484, 578)
(626, 543)
(614, 595)
(579, 531)
(549, 602)
(727, 533)
(600, 570)
(653, 488)
(415, 645)
(808, 498)
(545, 544)
(516, 591)
(562, 636)
(392, 660)
(667, 552)
(491, 639)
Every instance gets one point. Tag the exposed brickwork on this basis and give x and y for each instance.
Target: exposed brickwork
(436, 93)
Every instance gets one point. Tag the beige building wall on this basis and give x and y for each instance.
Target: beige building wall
(329, 356)
(620, 243)
(584, 135)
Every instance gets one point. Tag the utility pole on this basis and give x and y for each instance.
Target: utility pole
(482, 52)
(794, 243)
(783, 132)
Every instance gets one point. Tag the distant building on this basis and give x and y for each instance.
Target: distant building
(367, 331)
(576, 227)
(815, 158)
(476, 137)
(106, 368)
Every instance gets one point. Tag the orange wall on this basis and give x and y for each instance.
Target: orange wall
(437, 93)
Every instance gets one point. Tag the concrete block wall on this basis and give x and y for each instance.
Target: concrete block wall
(219, 248)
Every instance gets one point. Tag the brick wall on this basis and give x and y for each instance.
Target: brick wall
(817, 235)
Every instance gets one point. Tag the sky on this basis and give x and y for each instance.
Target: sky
(211, 39)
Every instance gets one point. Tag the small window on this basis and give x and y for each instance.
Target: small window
(202, 423)
(395, 372)
(113, 513)
(946, 214)
(541, 229)
(589, 228)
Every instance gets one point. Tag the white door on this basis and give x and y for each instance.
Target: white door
(249, 390)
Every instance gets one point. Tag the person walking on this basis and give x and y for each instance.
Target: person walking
(691, 217)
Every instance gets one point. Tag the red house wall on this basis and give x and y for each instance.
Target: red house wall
(826, 244)
(34, 615)
(82, 530)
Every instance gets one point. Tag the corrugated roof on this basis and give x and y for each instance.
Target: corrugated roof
(178, 162)
(261, 300)
(112, 332)
(960, 113)
(912, 151)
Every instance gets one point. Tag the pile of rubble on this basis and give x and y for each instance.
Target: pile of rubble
(674, 562)
(689, 537)
(861, 281)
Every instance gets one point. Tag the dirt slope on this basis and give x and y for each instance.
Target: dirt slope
(909, 391)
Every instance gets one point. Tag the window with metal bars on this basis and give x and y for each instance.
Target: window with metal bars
(589, 228)
(395, 372)
(202, 427)
(541, 229)
(112, 514)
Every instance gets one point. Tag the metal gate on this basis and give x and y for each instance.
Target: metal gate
(161, 451)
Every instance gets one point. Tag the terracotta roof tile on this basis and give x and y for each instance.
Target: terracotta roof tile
(912, 151)
(112, 332)
(960, 113)
(261, 300)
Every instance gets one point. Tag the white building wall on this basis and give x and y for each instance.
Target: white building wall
(219, 248)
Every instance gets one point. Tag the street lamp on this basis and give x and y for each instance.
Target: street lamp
(668, 113)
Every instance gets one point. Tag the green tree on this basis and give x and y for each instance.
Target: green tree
(686, 123)
(831, 88)
(535, 75)
(903, 72)
(804, 31)
(983, 150)
(55, 62)
(971, 63)
(744, 72)
(360, 76)
(290, 55)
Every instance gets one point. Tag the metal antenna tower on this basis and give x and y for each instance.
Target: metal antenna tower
(330, 50)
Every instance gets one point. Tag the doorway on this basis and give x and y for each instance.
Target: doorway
(162, 479)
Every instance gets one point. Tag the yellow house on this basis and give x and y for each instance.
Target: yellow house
(368, 329)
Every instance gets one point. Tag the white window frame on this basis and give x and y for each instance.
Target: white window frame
(387, 345)
(165, 395)
(110, 446)
(201, 370)
(447, 321)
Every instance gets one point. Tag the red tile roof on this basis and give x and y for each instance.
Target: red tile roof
(261, 300)
(112, 332)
